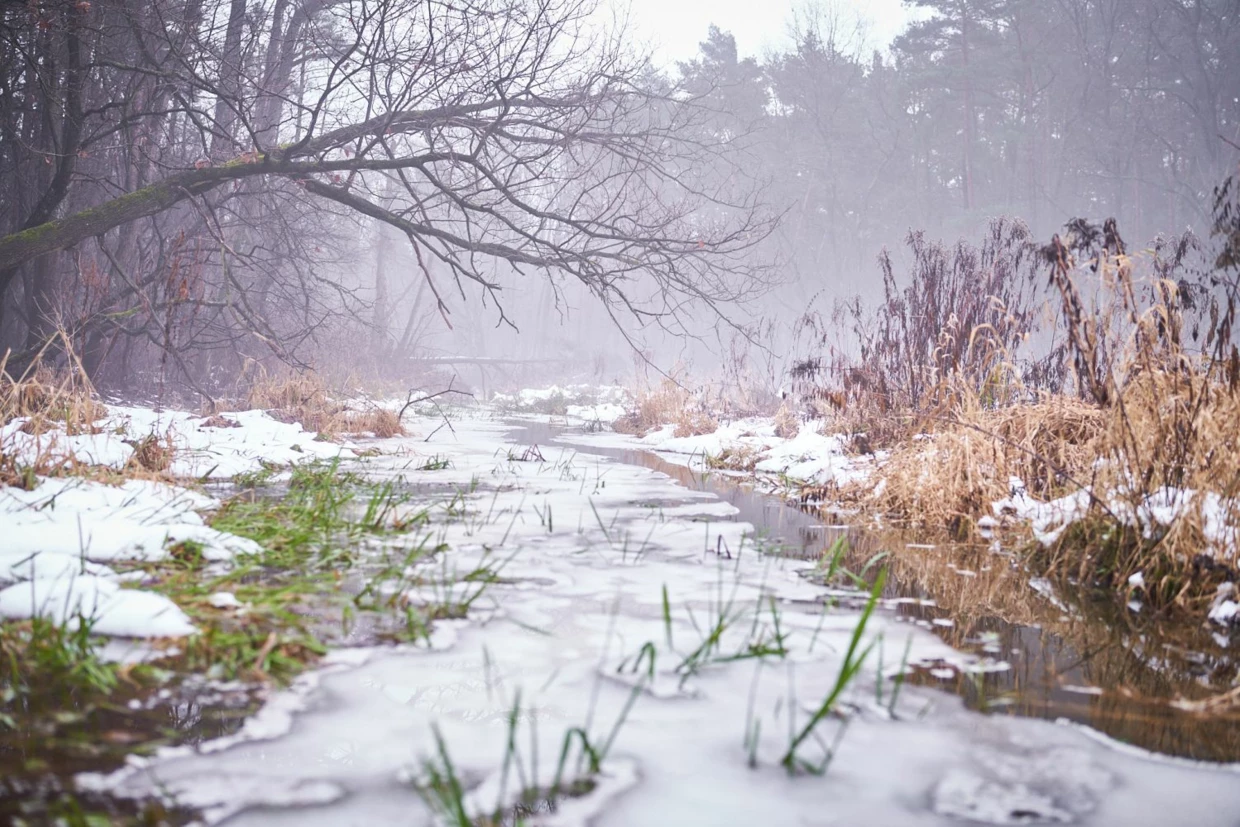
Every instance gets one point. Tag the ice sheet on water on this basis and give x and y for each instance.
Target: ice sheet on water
(575, 607)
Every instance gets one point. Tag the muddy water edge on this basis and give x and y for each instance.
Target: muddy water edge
(1053, 651)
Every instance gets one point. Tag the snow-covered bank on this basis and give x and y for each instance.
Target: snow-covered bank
(60, 536)
(63, 535)
(215, 447)
(811, 457)
(588, 403)
(599, 584)
(818, 462)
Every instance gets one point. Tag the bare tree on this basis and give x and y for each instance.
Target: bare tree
(514, 131)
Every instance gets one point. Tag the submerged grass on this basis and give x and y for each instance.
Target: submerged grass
(307, 584)
(64, 708)
(581, 760)
(309, 534)
(854, 658)
(45, 665)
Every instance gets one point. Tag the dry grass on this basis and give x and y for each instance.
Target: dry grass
(1128, 406)
(306, 399)
(153, 452)
(1167, 431)
(49, 401)
(52, 403)
(787, 423)
(735, 458)
(948, 476)
(670, 403)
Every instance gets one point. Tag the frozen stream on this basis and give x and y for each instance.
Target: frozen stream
(587, 547)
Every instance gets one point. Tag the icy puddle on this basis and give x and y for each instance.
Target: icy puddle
(629, 655)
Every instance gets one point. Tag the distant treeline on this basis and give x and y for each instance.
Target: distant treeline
(1039, 109)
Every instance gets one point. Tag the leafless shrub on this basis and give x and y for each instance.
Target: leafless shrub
(960, 321)
(1136, 402)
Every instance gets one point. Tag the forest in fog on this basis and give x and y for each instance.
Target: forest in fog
(196, 188)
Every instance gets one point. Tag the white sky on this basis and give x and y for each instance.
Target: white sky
(675, 27)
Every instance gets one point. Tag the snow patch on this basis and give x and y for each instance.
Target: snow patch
(101, 602)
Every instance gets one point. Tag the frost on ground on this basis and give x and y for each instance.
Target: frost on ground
(630, 613)
(62, 536)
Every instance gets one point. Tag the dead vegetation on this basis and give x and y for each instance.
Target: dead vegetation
(53, 404)
(946, 477)
(735, 458)
(47, 399)
(1077, 366)
(668, 403)
(305, 398)
(47, 404)
(153, 452)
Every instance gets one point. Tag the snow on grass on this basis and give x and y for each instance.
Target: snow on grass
(110, 610)
(1153, 514)
(225, 450)
(605, 413)
(137, 520)
(219, 447)
(1150, 515)
(107, 449)
(62, 537)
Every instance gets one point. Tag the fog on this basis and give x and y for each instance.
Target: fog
(201, 191)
